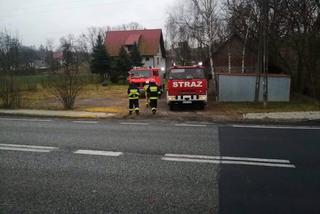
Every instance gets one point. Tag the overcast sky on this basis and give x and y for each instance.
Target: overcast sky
(38, 20)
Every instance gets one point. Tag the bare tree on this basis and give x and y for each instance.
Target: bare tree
(67, 84)
(49, 58)
(200, 20)
(293, 35)
(82, 44)
(10, 48)
(244, 48)
(303, 23)
(178, 33)
(129, 26)
(87, 40)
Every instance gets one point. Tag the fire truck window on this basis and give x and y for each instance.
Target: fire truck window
(186, 74)
(141, 74)
(155, 73)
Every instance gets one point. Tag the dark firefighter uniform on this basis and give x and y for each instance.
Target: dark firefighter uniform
(133, 95)
(153, 93)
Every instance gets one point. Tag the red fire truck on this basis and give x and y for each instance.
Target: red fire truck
(140, 76)
(187, 85)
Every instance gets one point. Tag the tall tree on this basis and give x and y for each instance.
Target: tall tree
(28, 56)
(184, 53)
(293, 36)
(10, 56)
(129, 26)
(100, 60)
(136, 58)
(121, 66)
(200, 20)
(67, 85)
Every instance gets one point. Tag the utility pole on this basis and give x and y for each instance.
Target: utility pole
(260, 55)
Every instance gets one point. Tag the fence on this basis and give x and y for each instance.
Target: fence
(241, 87)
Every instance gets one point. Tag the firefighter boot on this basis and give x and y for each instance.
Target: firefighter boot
(154, 110)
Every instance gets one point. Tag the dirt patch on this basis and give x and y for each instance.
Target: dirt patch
(113, 99)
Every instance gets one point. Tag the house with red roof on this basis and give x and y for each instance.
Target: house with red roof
(149, 41)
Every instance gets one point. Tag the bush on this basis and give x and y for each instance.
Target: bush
(10, 93)
(66, 87)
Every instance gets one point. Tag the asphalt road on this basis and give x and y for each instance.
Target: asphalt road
(67, 166)
(271, 190)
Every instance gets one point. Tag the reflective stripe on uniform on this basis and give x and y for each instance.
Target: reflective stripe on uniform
(153, 98)
(153, 88)
(133, 93)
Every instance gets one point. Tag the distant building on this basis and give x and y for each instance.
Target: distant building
(228, 57)
(40, 65)
(150, 44)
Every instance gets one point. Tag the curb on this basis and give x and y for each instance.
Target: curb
(58, 114)
(221, 119)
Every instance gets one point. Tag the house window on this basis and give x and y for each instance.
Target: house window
(158, 61)
(147, 58)
(130, 48)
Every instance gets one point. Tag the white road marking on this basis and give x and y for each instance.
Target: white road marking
(227, 158)
(190, 160)
(255, 159)
(26, 148)
(29, 146)
(259, 164)
(130, 123)
(276, 127)
(96, 152)
(26, 120)
(193, 156)
(189, 125)
(229, 162)
(85, 122)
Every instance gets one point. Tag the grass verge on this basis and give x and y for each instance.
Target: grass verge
(271, 107)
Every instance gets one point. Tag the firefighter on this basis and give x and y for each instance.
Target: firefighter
(133, 94)
(153, 92)
(145, 87)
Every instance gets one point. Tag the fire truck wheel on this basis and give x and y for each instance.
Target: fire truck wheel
(201, 106)
(172, 107)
